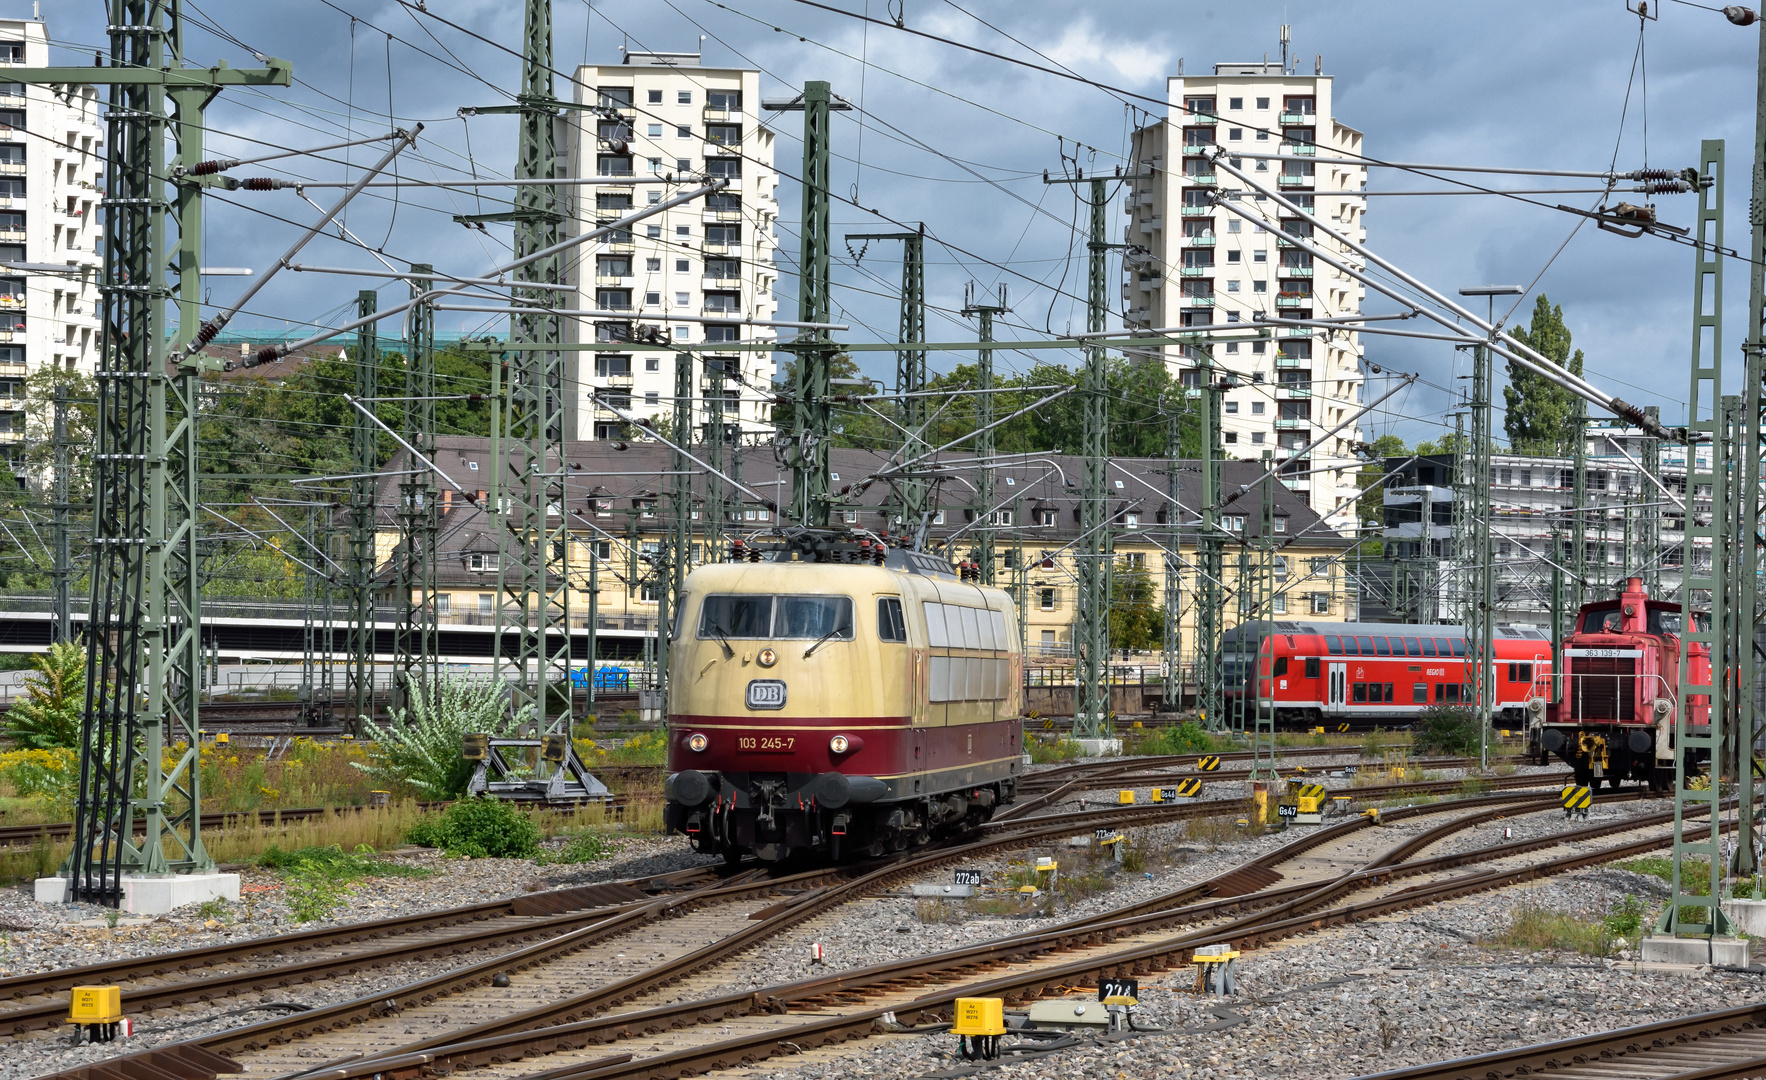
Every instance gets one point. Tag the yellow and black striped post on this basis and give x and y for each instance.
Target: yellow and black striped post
(1208, 763)
(1576, 800)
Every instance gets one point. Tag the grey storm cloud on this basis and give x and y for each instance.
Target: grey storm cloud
(960, 140)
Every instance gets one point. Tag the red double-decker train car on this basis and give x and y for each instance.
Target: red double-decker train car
(1374, 673)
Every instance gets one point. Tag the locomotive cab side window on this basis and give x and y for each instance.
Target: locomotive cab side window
(1281, 665)
(891, 626)
(1312, 667)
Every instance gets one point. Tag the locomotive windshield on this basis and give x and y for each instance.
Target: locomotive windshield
(750, 616)
(1668, 621)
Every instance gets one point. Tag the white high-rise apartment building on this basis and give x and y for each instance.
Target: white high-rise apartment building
(687, 270)
(51, 180)
(1203, 265)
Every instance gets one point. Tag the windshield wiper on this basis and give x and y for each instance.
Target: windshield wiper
(823, 639)
(718, 633)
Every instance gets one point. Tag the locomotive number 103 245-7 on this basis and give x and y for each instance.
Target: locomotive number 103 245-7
(765, 743)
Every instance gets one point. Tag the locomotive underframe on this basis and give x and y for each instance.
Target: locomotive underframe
(1612, 752)
(834, 815)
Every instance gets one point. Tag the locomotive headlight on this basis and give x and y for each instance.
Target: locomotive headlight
(839, 744)
(697, 743)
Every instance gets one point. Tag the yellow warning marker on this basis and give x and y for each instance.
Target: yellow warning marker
(1208, 763)
(1125, 797)
(1576, 800)
(1311, 798)
(1342, 728)
(1189, 789)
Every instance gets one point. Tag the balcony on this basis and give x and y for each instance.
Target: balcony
(719, 217)
(1152, 224)
(1302, 119)
(1197, 211)
(1293, 391)
(1198, 301)
(717, 247)
(1296, 271)
(619, 247)
(614, 280)
(12, 168)
(1285, 180)
(723, 149)
(1138, 315)
(1149, 282)
(614, 380)
(1293, 301)
(1204, 240)
(1195, 271)
(13, 236)
(1299, 149)
(1202, 178)
(1288, 422)
(710, 282)
(1284, 363)
(719, 116)
(1192, 120)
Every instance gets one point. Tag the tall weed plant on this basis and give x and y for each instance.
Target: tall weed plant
(419, 750)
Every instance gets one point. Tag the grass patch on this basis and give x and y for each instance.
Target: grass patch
(1188, 737)
(1538, 928)
(931, 910)
(584, 847)
(318, 879)
(1213, 831)
(644, 748)
(1475, 785)
(479, 829)
(1049, 751)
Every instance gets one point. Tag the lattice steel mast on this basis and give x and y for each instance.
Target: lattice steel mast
(415, 651)
(984, 443)
(532, 640)
(143, 671)
(363, 517)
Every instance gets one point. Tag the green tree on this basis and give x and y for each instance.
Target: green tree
(1539, 418)
(1136, 622)
(55, 694)
(854, 425)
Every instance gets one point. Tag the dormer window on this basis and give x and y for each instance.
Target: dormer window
(482, 562)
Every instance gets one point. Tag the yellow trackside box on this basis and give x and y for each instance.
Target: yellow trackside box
(1126, 798)
(1311, 798)
(95, 1005)
(980, 1016)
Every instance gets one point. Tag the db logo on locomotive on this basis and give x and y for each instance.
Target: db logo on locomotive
(766, 694)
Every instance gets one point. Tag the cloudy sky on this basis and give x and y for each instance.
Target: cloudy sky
(960, 141)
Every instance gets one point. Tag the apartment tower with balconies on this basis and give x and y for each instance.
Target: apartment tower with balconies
(693, 277)
(51, 180)
(1192, 263)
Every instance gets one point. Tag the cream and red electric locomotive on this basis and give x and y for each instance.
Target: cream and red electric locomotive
(835, 696)
(1610, 712)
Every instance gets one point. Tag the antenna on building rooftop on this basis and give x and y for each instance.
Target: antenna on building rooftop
(1286, 36)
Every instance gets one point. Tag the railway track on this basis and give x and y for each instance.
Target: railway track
(384, 1022)
(798, 1016)
(1730, 1043)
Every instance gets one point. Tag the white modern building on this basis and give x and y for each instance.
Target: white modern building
(51, 181)
(692, 277)
(1628, 526)
(1191, 262)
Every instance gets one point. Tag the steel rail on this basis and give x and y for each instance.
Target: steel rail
(494, 1048)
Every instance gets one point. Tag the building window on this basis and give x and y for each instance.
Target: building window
(1257, 438)
(652, 363)
(1230, 438)
(1047, 599)
(1234, 135)
(1230, 407)
(1321, 564)
(1131, 520)
(1235, 102)
(654, 265)
(1321, 603)
(1257, 408)
(1279, 603)
(1045, 518)
(683, 97)
(724, 100)
(607, 364)
(683, 165)
(481, 562)
(654, 97)
(472, 465)
(1263, 103)
(938, 517)
(1232, 286)
(652, 397)
(652, 299)
(682, 131)
(656, 165)
(1280, 524)
(485, 600)
(654, 131)
(849, 516)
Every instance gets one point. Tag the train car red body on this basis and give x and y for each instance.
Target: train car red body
(1314, 673)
